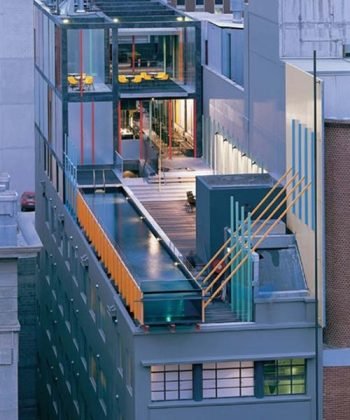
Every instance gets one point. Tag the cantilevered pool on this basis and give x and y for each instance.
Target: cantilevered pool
(169, 293)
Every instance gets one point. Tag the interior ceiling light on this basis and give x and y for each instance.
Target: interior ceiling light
(115, 20)
(180, 18)
(65, 20)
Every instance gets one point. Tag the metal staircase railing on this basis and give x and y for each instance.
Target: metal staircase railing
(227, 242)
(205, 303)
(257, 231)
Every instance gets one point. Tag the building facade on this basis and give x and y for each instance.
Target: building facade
(17, 94)
(124, 330)
(260, 109)
(19, 245)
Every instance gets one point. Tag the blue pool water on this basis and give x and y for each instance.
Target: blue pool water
(168, 296)
(144, 255)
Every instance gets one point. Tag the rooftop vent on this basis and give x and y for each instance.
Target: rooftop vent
(8, 218)
(5, 180)
(67, 7)
(237, 10)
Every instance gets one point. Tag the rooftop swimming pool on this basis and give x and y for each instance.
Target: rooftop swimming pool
(170, 294)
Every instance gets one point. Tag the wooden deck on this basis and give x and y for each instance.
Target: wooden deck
(177, 223)
(180, 226)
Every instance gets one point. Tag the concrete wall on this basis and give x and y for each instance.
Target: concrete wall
(322, 25)
(8, 340)
(28, 318)
(337, 94)
(16, 93)
(265, 96)
(224, 104)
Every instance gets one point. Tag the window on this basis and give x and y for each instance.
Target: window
(284, 377)
(171, 382)
(92, 368)
(100, 317)
(103, 390)
(228, 379)
(83, 347)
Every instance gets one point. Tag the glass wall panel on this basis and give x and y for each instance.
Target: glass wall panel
(161, 58)
(58, 56)
(166, 124)
(90, 136)
(44, 120)
(226, 56)
(36, 35)
(51, 52)
(86, 60)
(58, 128)
(36, 96)
(190, 58)
(45, 68)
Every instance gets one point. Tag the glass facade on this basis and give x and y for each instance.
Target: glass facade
(163, 58)
(171, 382)
(88, 67)
(285, 377)
(167, 125)
(228, 379)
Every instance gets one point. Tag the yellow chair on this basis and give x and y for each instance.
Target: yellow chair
(89, 82)
(160, 75)
(122, 79)
(136, 80)
(72, 82)
(145, 76)
(164, 77)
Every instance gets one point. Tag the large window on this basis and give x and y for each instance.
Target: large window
(171, 382)
(228, 379)
(231, 379)
(284, 377)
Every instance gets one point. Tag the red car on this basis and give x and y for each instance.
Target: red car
(28, 201)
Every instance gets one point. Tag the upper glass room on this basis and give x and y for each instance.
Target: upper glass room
(140, 48)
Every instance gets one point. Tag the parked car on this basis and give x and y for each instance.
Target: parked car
(28, 201)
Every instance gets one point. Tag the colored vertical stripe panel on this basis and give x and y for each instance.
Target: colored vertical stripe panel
(141, 131)
(306, 173)
(119, 125)
(313, 163)
(293, 160)
(170, 129)
(194, 128)
(300, 169)
(81, 133)
(93, 132)
(81, 64)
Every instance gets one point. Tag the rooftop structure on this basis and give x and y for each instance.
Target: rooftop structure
(18, 240)
(127, 328)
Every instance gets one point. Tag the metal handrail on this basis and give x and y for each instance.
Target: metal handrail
(104, 180)
(223, 284)
(229, 264)
(253, 224)
(254, 211)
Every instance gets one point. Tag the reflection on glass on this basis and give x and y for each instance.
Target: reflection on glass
(86, 60)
